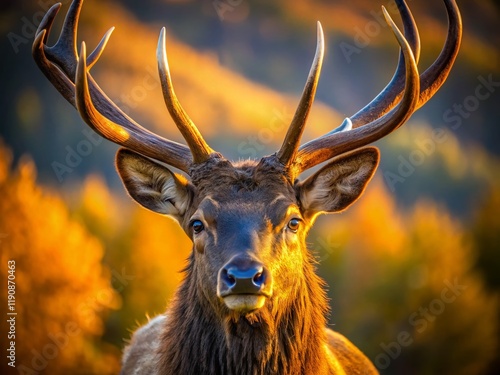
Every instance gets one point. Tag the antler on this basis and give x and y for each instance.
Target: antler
(69, 73)
(288, 150)
(405, 93)
(199, 148)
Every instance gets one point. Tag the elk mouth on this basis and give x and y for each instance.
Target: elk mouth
(244, 303)
(244, 284)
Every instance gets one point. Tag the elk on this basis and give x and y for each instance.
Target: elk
(250, 301)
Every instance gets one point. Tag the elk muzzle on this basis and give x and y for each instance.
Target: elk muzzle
(244, 283)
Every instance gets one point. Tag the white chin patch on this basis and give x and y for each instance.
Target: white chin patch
(244, 302)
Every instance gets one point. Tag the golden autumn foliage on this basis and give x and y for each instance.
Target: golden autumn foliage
(148, 250)
(158, 255)
(62, 290)
(404, 288)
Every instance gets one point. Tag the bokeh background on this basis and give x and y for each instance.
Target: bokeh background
(413, 268)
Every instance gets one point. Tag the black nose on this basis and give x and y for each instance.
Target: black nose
(243, 275)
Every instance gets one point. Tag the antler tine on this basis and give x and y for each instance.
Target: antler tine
(200, 150)
(381, 109)
(137, 139)
(393, 92)
(430, 80)
(48, 21)
(328, 146)
(60, 62)
(291, 143)
(64, 53)
(97, 52)
(433, 78)
(62, 83)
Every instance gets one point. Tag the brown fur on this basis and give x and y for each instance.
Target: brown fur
(202, 340)
(249, 202)
(185, 344)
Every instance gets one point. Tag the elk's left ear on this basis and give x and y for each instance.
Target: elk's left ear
(338, 184)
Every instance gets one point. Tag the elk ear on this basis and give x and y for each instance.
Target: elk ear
(152, 185)
(339, 183)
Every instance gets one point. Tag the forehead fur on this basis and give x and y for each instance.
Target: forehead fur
(219, 177)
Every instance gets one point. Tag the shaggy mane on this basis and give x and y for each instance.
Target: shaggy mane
(200, 338)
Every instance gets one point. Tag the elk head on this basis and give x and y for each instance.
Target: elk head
(248, 220)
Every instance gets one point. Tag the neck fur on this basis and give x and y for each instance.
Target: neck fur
(284, 339)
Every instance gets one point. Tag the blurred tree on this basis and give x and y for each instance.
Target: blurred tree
(158, 256)
(486, 235)
(62, 290)
(148, 251)
(403, 288)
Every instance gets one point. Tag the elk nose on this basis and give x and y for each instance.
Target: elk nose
(244, 276)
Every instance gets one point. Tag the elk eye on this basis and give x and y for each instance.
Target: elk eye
(197, 226)
(294, 224)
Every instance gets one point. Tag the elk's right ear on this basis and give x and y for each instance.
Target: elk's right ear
(152, 185)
